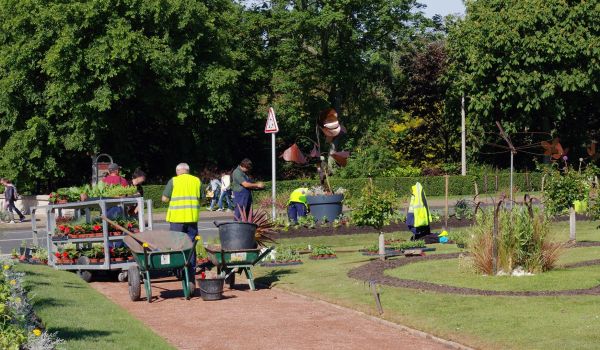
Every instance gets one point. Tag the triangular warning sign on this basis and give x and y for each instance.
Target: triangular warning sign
(271, 126)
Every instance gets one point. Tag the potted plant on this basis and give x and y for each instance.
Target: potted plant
(248, 232)
(323, 202)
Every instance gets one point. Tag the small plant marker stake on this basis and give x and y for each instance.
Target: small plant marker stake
(373, 286)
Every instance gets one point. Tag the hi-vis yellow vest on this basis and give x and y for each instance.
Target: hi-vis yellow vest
(299, 196)
(185, 199)
(418, 206)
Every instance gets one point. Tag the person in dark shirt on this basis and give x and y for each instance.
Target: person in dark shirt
(137, 179)
(242, 185)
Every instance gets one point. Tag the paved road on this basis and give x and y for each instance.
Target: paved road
(11, 236)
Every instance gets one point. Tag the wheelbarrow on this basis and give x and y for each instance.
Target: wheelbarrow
(154, 251)
(230, 262)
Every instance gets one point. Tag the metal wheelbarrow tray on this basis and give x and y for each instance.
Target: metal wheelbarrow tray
(229, 262)
(162, 250)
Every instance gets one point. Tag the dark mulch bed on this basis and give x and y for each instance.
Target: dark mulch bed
(354, 230)
(374, 271)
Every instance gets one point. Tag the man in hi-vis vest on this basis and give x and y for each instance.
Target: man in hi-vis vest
(418, 217)
(183, 194)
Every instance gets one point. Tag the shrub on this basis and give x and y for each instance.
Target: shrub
(522, 240)
(563, 188)
(373, 208)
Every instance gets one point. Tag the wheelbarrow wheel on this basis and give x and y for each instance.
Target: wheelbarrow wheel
(134, 282)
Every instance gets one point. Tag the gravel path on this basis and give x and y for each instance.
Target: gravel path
(265, 319)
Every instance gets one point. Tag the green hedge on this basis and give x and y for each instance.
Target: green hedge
(434, 185)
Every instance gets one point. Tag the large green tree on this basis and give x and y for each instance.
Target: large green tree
(136, 78)
(533, 64)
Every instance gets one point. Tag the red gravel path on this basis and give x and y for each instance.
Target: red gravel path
(265, 319)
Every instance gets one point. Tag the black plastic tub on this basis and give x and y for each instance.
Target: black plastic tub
(211, 288)
(329, 207)
(236, 235)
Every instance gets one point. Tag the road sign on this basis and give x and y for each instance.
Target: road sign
(271, 126)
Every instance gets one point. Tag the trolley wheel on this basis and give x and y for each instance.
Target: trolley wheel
(85, 275)
(133, 280)
(122, 277)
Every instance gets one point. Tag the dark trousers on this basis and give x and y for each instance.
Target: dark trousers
(418, 232)
(191, 229)
(296, 210)
(11, 207)
(242, 201)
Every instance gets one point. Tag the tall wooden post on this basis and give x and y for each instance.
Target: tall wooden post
(446, 205)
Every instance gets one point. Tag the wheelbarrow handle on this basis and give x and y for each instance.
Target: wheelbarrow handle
(261, 256)
(126, 231)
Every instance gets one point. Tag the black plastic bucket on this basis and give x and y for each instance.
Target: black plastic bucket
(211, 288)
(236, 235)
(325, 206)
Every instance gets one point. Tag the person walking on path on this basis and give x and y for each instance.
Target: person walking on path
(225, 191)
(10, 196)
(183, 195)
(113, 177)
(297, 205)
(215, 186)
(242, 185)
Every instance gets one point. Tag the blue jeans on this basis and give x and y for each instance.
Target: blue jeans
(242, 200)
(191, 229)
(214, 199)
(296, 210)
(227, 195)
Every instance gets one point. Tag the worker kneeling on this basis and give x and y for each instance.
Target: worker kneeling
(418, 218)
(297, 205)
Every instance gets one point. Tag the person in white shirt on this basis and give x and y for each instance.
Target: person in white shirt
(225, 192)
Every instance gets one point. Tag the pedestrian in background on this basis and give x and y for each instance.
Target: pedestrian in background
(10, 196)
(215, 187)
(225, 191)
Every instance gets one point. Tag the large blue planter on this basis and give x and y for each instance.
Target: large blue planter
(325, 206)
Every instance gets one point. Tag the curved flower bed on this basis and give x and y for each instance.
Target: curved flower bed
(20, 328)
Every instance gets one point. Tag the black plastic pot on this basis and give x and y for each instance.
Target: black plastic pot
(236, 235)
(211, 288)
(325, 206)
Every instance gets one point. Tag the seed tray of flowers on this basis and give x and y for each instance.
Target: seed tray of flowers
(71, 254)
(90, 192)
(321, 252)
(65, 230)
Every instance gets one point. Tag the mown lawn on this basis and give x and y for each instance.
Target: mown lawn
(81, 316)
(477, 321)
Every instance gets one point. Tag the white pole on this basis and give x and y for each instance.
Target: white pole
(463, 141)
(273, 186)
(512, 155)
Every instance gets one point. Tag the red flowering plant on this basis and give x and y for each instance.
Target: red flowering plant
(96, 228)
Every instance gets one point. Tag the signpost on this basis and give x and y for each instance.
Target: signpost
(272, 128)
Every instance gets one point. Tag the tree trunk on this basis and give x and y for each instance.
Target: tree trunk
(381, 246)
(572, 221)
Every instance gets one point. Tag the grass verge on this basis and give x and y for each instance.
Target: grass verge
(477, 321)
(81, 316)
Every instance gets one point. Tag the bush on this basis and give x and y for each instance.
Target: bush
(522, 240)
(399, 186)
(373, 208)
